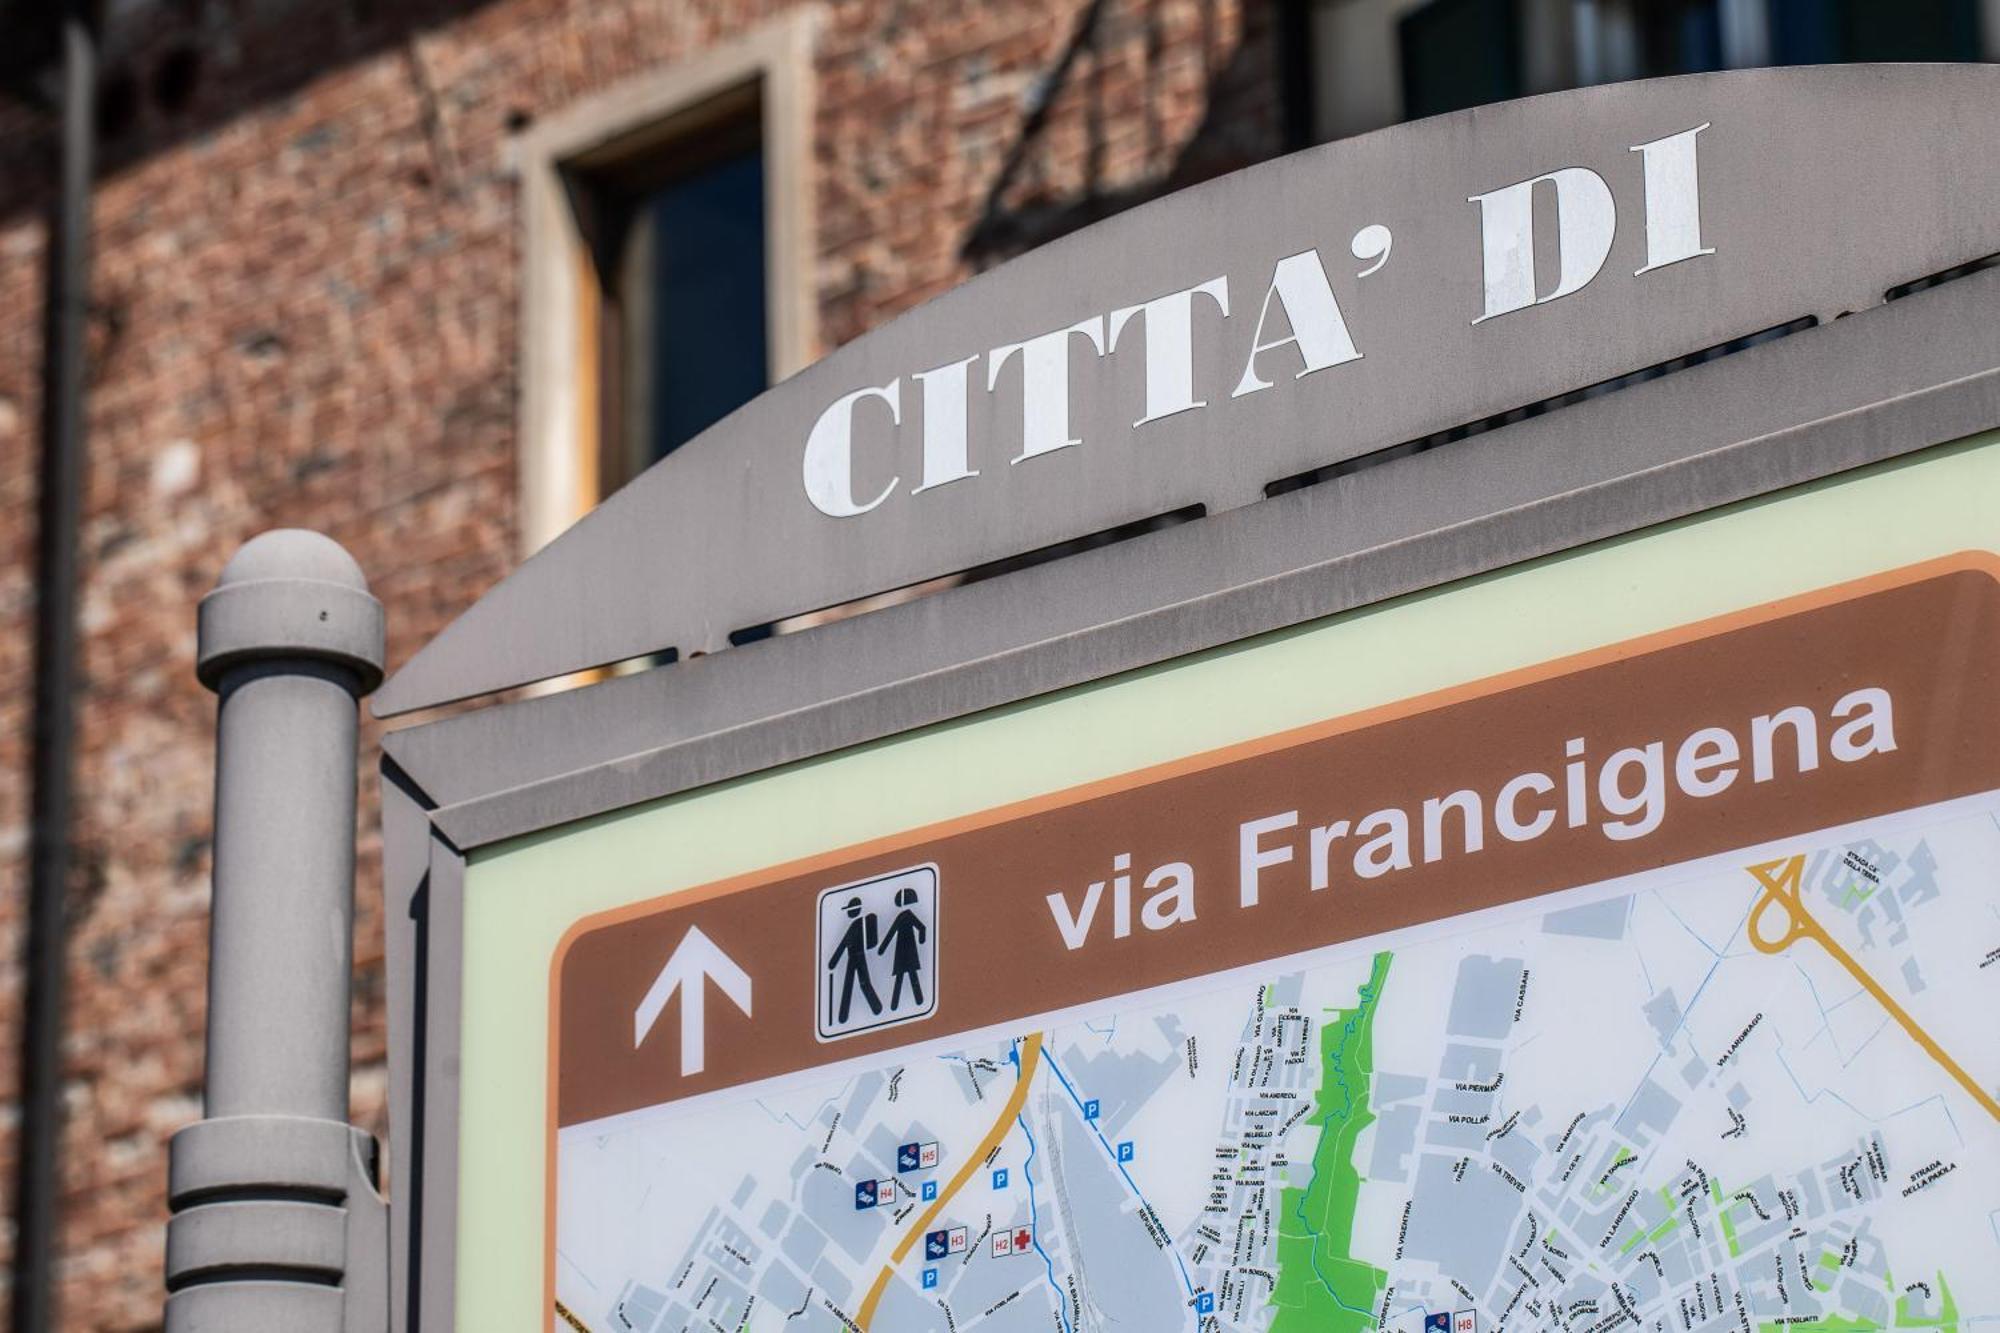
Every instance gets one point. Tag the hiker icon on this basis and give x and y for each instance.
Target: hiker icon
(907, 934)
(887, 922)
(855, 942)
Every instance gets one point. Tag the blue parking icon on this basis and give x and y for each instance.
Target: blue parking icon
(937, 1244)
(930, 1279)
(1000, 1179)
(1090, 1109)
(864, 1195)
(930, 1190)
(1204, 1302)
(1125, 1151)
(907, 1156)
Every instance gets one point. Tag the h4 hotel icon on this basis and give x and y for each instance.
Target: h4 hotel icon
(874, 1194)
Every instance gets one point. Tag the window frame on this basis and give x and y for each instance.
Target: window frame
(561, 446)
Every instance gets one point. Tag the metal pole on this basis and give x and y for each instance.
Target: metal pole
(276, 1222)
(45, 958)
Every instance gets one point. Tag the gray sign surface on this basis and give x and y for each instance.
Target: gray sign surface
(1377, 291)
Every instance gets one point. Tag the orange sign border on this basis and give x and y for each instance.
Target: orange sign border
(1976, 561)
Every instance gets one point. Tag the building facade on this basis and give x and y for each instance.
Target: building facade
(311, 272)
(433, 278)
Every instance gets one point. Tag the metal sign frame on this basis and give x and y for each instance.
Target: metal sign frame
(1882, 383)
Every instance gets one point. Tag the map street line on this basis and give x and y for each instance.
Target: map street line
(1003, 1125)
(1780, 881)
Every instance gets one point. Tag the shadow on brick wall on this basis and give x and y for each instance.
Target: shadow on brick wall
(1240, 125)
(174, 70)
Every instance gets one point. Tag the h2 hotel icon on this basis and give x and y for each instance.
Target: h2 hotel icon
(877, 952)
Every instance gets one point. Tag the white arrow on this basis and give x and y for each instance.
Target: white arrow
(696, 960)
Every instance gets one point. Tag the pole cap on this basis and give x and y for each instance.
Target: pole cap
(290, 593)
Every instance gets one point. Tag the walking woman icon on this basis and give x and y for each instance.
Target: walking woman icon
(906, 934)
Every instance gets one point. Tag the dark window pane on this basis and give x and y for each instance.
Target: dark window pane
(693, 304)
(1808, 32)
(1459, 53)
(1647, 39)
(1680, 38)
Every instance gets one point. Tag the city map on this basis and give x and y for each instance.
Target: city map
(1752, 1094)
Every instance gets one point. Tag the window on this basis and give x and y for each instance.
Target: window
(676, 236)
(1376, 62)
(1643, 39)
(1459, 53)
(1820, 31)
(666, 264)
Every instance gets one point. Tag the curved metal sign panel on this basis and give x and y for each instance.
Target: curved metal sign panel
(1311, 310)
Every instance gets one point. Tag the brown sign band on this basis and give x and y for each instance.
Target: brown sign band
(1803, 714)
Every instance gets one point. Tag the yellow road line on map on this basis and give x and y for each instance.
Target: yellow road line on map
(1781, 881)
(1031, 1056)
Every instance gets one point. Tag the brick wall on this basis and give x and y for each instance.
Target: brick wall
(306, 303)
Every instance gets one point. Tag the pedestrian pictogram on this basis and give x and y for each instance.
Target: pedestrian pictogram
(878, 952)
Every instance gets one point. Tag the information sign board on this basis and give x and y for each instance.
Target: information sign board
(1472, 806)
(1604, 942)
